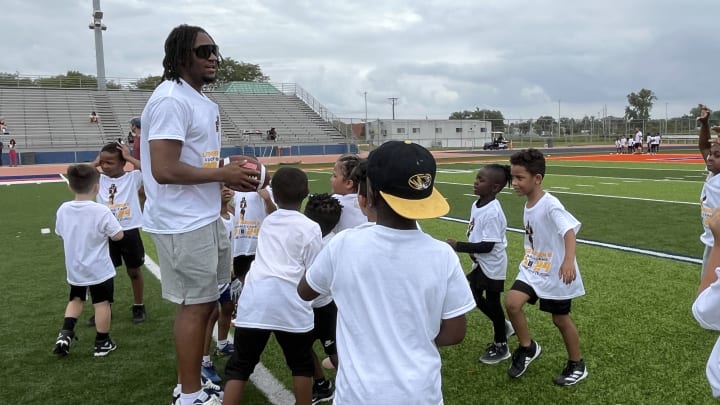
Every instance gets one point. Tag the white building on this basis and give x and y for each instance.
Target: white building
(431, 133)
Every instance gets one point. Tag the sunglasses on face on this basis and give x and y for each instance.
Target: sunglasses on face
(204, 51)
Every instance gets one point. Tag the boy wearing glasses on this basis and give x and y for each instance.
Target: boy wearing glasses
(180, 144)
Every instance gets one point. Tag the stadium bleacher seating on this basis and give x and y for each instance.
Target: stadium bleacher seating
(41, 119)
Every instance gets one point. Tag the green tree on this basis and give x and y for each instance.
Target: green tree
(494, 116)
(544, 125)
(13, 79)
(148, 83)
(231, 70)
(640, 105)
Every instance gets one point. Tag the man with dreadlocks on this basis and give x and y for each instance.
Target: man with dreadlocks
(180, 143)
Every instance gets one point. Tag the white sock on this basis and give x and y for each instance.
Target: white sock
(188, 399)
(222, 343)
(206, 359)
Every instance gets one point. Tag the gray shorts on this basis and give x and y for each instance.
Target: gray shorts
(193, 264)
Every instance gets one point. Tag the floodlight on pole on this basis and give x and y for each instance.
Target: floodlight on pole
(393, 100)
(366, 121)
(97, 26)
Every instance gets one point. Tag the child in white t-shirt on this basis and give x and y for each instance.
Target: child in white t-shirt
(710, 195)
(400, 293)
(85, 227)
(325, 210)
(345, 189)
(269, 304)
(486, 245)
(548, 272)
(706, 308)
(119, 191)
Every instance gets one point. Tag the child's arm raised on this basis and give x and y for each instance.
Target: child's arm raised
(127, 156)
(704, 136)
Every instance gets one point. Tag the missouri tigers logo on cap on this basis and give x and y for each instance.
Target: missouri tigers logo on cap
(421, 181)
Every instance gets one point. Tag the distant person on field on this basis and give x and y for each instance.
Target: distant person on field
(345, 189)
(706, 308)
(638, 141)
(94, 118)
(325, 210)
(710, 194)
(269, 304)
(548, 272)
(13, 155)
(1, 150)
(85, 227)
(119, 191)
(400, 293)
(486, 246)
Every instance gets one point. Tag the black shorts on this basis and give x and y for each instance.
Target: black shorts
(104, 291)
(325, 323)
(241, 265)
(555, 307)
(250, 343)
(480, 282)
(129, 249)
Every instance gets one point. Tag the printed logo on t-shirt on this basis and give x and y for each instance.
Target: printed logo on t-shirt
(471, 226)
(535, 261)
(211, 159)
(217, 124)
(121, 210)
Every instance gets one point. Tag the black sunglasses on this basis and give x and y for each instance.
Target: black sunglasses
(204, 51)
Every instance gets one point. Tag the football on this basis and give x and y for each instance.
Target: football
(251, 163)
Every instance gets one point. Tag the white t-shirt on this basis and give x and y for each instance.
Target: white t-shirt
(392, 289)
(120, 194)
(351, 215)
(545, 226)
(175, 111)
(250, 211)
(85, 227)
(229, 223)
(287, 245)
(323, 300)
(488, 224)
(709, 202)
(638, 137)
(706, 310)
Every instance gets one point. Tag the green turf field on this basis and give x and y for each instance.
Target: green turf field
(638, 337)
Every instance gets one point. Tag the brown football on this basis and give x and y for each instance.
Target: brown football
(251, 163)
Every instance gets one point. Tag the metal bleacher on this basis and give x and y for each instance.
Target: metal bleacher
(57, 118)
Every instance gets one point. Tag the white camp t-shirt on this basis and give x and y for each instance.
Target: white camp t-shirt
(120, 194)
(392, 288)
(638, 137)
(229, 223)
(351, 215)
(709, 202)
(488, 224)
(85, 227)
(323, 300)
(706, 310)
(250, 211)
(175, 111)
(287, 245)
(545, 226)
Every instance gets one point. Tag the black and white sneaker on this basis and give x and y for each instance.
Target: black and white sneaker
(323, 392)
(138, 313)
(62, 344)
(574, 372)
(104, 347)
(522, 358)
(495, 353)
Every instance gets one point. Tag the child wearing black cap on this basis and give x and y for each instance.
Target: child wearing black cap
(403, 294)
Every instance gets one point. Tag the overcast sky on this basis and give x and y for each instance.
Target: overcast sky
(435, 56)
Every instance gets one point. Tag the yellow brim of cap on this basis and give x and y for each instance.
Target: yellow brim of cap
(430, 207)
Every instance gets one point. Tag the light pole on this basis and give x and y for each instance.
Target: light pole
(366, 121)
(666, 104)
(97, 26)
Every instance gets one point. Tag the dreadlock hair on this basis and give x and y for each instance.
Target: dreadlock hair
(178, 50)
(325, 210)
(114, 148)
(501, 173)
(531, 159)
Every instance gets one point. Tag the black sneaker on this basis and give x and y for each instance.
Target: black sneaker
(495, 353)
(323, 392)
(522, 358)
(104, 347)
(138, 313)
(573, 373)
(62, 344)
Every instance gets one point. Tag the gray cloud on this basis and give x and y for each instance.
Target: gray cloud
(435, 56)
